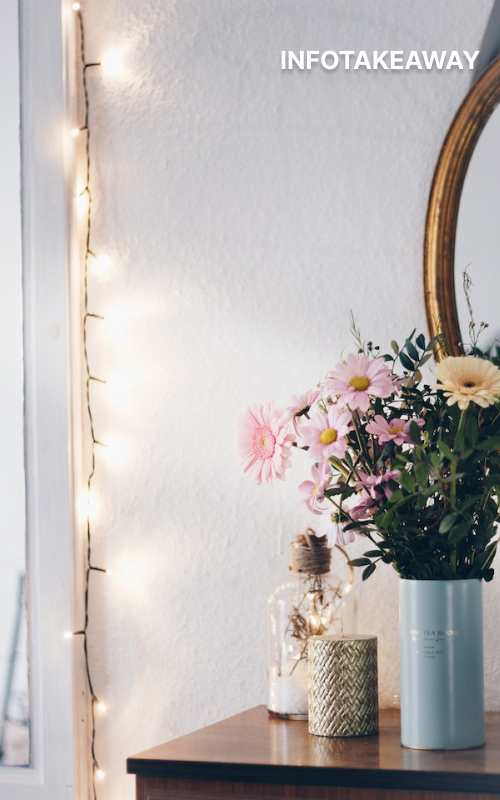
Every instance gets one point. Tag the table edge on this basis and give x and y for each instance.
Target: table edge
(317, 776)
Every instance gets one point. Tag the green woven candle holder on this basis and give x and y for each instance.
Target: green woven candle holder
(343, 685)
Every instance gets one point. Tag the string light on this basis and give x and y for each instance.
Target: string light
(101, 264)
(112, 62)
(82, 202)
(86, 506)
(115, 452)
(86, 503)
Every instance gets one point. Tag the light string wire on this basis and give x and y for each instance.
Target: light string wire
(88, 317)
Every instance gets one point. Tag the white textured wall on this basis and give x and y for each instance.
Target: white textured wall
(247, 210)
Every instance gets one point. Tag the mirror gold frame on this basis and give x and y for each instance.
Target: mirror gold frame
(444, 202)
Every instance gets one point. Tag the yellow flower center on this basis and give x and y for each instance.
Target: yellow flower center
(360, 383)
(396, 427)
(328, 436)
(265, 444)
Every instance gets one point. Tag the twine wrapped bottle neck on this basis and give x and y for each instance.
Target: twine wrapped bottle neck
(310, 554)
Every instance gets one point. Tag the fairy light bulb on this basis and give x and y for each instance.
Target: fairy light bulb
(76, 7)
(86, 505)
(112, 62)
(101, 264)
(68, 634)
(115, 452)
(82, 199)
(101, 707)
(75, 133)
(99, 774)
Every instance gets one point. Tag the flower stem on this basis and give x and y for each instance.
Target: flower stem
(362, 446)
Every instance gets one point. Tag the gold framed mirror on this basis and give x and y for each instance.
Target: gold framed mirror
(442, 267)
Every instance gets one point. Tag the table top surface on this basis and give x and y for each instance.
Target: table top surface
(253, 747)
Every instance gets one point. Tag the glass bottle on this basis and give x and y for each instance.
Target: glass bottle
(309, 604)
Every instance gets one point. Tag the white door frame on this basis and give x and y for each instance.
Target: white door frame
(48, 403)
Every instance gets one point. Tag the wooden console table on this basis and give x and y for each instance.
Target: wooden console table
(252, 757)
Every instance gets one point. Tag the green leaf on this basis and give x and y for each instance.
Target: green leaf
(420, 341)
(422, 473)
(406, 481)
(335, 490)
(414, 432)
(368, 571)
(435, 460)
(374, 553)
(353, 526)
(448, 522)
(407, 364)
(411, 350)
(488, 575)
(445, 450)
(459, 532)
(359, 562)
(395, 347)
(493, 443)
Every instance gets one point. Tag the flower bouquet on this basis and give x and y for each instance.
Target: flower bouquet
(413, 467)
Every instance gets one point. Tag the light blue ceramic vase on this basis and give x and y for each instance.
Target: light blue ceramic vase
(442, 694)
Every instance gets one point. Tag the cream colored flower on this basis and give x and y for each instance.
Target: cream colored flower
(469, 379)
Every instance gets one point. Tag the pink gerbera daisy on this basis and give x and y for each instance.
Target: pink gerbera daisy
(326, 434)
(397, 430)
(265, 443)
(358, 378)
(313, 492)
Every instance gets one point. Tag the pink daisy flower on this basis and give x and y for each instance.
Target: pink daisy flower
(397, 430)
(298, 405)
(376, 486)
(374, 489)
(313, 492)
(265, 443)
(358, 378)
(364, 509)
(325, 435)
